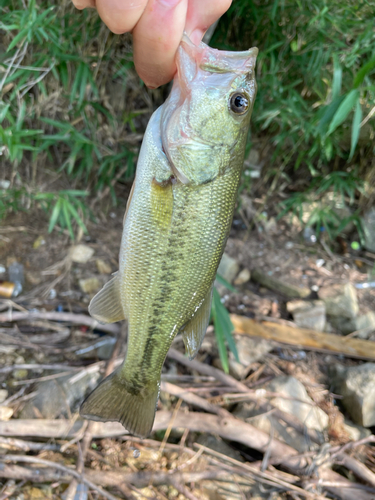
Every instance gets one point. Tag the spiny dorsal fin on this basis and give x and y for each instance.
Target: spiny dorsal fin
(106, 306)
(193, 332)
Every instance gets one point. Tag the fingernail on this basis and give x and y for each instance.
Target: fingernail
(196, 36)
(170, 4)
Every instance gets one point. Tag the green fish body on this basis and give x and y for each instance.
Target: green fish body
(176, 225)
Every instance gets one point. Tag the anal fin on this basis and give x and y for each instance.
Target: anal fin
(106, 306)
(194, 330)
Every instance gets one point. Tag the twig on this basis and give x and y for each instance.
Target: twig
(36, 367)
(265, 405)
(308, 339)
(87, 437)
(257, 473)
(62, 468)
(81, 319)
(170, 426)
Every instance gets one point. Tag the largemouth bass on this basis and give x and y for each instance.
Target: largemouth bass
(176, 226)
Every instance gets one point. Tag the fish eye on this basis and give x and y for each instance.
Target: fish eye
(239, 103)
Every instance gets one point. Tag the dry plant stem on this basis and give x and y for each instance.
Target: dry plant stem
(228, 428)
(359, 469)
(240, 387)
(87, 437)
(193, 399)
(258, 474)
(81, 319)
(110, 478)
(54, 465)
(308, 339)
(11, 368)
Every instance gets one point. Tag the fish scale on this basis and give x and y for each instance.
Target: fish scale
(176, 226)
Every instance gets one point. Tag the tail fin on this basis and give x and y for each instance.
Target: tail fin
(115, 399)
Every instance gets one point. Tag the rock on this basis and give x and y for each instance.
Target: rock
(368, 223)
(20, 374)
(356, 385)
(356, 432)
(219, 445)
(242, 277)
(296, 402)
(3, 395)
(61, 396)
(5, 413)
(103, 267)
(38, 242)
(363, 324)
(340, 300)
(270, 225)
(308, 314)
(228, 268)
(89, 285)
(249, 350)
(81, 253)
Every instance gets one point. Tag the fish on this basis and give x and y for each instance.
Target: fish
(177, 221)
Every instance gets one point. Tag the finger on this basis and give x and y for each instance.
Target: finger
(120, 15)
(156, 39)
(83, 4)
(201, 14)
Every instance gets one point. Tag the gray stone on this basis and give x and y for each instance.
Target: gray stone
(356, 385)
(219, 445)
(243, 277)
(293, 399)
(60, 396)
(249, 350)
(308, 314)
(89, 285)
(340, 300)
(363, 324)
(228, 268)
(356, 432)
(103, 266)
(368, 222)
(81, 253)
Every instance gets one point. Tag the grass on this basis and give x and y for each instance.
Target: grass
(315, 85)
(55, 112)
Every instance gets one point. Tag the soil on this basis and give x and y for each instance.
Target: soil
(51, 284)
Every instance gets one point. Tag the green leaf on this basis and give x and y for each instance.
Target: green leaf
(337, 77)
(344, 109)
(67, 218)
(76, 216)
(55, 215)
(3, 112)
(225, 283)
(360, 76)
(356, 127)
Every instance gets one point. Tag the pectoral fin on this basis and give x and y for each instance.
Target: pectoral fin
(106, 306)
(193, 332)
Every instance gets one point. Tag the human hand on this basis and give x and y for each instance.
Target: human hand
(157, 27)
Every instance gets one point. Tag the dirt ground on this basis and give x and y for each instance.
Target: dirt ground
(176, 463)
